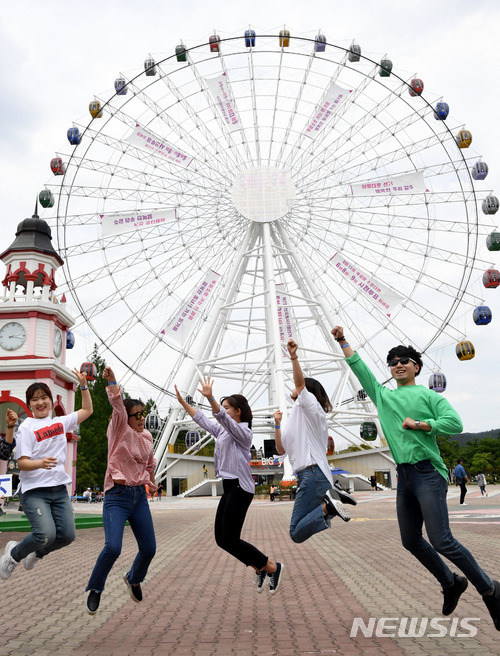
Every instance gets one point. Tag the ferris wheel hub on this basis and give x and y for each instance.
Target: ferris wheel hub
(263, 193)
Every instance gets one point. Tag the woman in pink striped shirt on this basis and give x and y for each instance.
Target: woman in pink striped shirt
(130, 468)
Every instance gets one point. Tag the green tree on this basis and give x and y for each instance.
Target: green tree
(481, 462)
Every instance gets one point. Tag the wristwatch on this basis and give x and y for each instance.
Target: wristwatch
(417, 425)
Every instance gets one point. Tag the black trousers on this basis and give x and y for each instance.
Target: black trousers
(231, 513)
(463, 491)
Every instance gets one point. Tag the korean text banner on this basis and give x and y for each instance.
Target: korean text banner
(382, 297)
(186, 317)
(116, 224)
(155, 145)
(334, 97)
(284, 315)
(219, 89)
(5, 485)
(409, 183)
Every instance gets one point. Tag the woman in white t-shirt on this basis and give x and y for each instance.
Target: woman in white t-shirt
(41, 456)
(305, 440)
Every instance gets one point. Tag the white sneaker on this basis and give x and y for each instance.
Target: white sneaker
(7, 563)
(463, 504)
(31, 560)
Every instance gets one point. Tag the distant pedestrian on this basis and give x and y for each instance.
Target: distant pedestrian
(461, 479)
(272, 492)
(205, 471)
(373, 483)
(159, 492)
(481, 481)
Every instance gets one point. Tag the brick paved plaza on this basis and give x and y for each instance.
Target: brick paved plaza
(200, 601)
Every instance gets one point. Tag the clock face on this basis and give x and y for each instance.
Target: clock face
(12, 336)
(57, 343)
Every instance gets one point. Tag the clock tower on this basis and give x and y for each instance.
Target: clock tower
(33, 328)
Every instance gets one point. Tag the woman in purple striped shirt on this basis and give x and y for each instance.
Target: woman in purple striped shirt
(233, 434)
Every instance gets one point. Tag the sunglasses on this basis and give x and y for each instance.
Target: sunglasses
(395, 361)
(139, 415)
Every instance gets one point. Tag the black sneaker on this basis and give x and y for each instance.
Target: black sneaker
(335, 507)
(93, 601)
(343, 496)
(135, 590)
(452, 593)
(275, 578)
(493, 605)
(261, 580)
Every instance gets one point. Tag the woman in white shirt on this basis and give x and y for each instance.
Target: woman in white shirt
(305, 440)
(41, 455)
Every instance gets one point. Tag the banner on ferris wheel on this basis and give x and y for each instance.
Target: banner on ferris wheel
(155, 145)
(189, 312)
(332, 100)
(285, 316)
(117, 224)
(383, 297)
(408, 183)
(219, 89)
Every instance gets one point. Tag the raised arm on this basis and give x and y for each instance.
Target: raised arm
(338, 335)
(188, 408)
(86, 409)
(278, 416)
(298, 376)
(11, 418)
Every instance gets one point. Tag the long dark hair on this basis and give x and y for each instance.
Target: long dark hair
(240, 403)
(316, 388)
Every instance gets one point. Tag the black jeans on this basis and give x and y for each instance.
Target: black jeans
(231, 513)
(463, 491)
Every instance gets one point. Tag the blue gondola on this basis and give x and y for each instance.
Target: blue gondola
(437, 382)
(490, 205)
(74, 136)
(70, 339)
(479, 170)
(121, 86)
(482, 315)
(320, 43)
(250, 38)
(441, 112)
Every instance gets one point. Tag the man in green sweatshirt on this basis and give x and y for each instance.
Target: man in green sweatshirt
(411, 416)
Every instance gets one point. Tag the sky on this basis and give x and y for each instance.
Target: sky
(56, 55)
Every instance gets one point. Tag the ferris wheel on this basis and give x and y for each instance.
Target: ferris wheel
(245, 190)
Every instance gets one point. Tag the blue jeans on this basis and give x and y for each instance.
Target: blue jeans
(421, 498)
(124, 503)
(50, 514)
(308, 517)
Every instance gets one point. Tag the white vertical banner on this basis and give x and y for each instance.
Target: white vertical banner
(188, 314)
(147, 140)
(383, 297)
(284, 314)
(332, 100)
(219, 90)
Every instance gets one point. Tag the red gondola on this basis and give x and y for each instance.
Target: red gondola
(416, 87)
(57, 166)
(214, 41)
(89, 369)
(491, 278)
